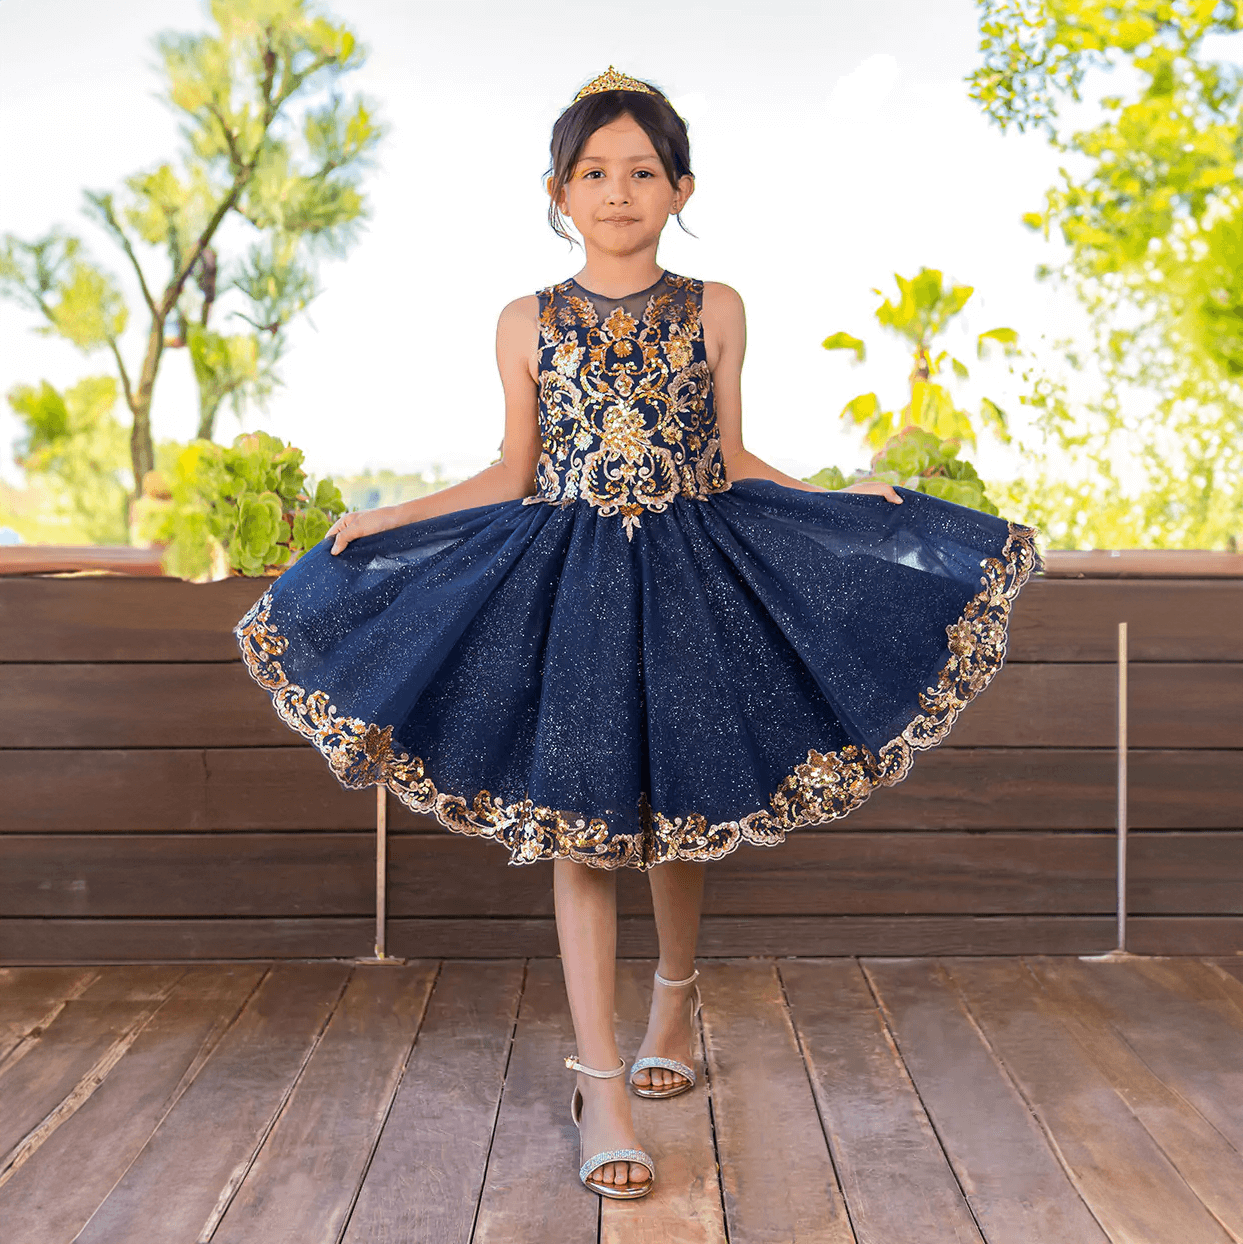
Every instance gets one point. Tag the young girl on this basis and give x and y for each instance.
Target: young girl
(631, 642)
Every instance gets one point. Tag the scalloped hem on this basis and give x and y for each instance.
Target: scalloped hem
(825, 787)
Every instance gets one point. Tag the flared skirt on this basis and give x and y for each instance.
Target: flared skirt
(745, 665)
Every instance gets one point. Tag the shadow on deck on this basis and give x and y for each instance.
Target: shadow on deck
(1028, 1100)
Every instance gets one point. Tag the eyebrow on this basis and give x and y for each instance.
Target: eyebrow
(634, 159)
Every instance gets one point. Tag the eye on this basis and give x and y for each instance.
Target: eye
(592, 172)
(642, 172)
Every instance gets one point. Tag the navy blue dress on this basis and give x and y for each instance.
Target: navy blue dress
(645, 660)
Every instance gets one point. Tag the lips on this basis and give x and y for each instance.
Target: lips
(620, 220)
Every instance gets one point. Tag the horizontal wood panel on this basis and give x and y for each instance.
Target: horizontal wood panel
(136, 705)
(168, 620)
(898, 874)
(291, 788)
(114, 941)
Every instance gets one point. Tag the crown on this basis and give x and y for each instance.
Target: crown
(611, 80)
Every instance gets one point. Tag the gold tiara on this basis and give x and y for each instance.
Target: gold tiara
(611, 80)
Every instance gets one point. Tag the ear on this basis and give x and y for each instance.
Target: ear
(558, 199)
(685, 188)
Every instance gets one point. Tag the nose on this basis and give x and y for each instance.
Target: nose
(618, 193)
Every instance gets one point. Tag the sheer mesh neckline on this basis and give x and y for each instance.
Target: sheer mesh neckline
(634, 304)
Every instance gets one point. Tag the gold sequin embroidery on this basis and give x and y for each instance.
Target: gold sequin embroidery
(626, 413)
(824, 787)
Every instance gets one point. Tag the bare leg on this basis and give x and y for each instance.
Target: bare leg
(677, 898)
(586, 901)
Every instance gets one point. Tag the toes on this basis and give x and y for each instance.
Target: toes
(639, 1174)
(642, 1077)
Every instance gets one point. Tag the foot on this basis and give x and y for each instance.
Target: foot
(607, 1124)
(670, 1034)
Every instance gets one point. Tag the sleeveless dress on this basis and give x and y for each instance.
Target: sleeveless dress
(645, 660)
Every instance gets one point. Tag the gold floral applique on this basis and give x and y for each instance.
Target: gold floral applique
(626, 412)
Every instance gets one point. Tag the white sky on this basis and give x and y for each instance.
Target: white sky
(833, 144)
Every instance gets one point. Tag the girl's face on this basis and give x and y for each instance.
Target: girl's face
(618, 194)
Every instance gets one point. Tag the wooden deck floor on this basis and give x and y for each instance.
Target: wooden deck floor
(883, 1101)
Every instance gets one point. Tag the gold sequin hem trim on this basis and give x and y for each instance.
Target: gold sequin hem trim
(825, 787)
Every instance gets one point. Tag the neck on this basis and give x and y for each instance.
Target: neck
(615, 276)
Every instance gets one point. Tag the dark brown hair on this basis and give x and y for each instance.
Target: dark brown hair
(653, 114)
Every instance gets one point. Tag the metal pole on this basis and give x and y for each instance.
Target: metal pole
(381, 869)
(1122, 782)
(1120, 952)
(381, 881)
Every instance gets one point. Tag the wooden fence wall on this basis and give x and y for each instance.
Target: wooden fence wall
(153, 807)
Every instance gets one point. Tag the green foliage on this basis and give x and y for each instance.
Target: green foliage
(918, 446)
(271, 145)
(75, 448)
(923, 311)
(248, 505)
(1154, 227)
(924, 462)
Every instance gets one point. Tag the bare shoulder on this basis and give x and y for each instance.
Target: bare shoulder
(721, 300)
(521, 311)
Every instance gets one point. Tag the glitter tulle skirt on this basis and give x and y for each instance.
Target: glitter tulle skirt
(746, 664)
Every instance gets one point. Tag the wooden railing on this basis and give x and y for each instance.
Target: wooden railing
(153, 807)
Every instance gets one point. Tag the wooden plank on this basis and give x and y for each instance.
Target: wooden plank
(1163, 1013)
(1077, 620)
(1055, 619)
(139, 940)
(685, 1204)
(814, 873)
(122, 619)
(94, 1145)
(1170, 705)
(776, 1173)
(17, 559)
(203, 1148)
(1233, 966)
(303, 1183)
(215, 705)
(31, 998)
(1017, 1190)
(94, 1026)
(897, 1181)
(1132, 1188)
(531, 1194)
(1212, 1168)
(291, 788)
(1155, 563)
(128, 940)
(428, 1168)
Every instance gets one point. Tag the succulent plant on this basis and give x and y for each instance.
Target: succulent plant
(247, 507)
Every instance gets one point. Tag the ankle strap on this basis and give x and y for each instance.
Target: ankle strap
(687, 981)
(574, 1065)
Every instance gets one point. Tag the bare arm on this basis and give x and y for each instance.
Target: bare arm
(517, 335)
(725, 339)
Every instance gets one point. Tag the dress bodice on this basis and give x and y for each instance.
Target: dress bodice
(626, 415)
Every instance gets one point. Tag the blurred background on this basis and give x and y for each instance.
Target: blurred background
(991, 250)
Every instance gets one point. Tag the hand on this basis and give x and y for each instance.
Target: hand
(359, 523)
(875, 486)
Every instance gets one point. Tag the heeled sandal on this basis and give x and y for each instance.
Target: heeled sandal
(670, 1064)
(619, 1192)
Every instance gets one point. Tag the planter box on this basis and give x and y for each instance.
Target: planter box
(153, 807)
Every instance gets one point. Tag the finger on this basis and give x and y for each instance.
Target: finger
(342, 541)
(891, 495)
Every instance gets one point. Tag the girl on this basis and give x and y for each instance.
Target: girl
(630, 642)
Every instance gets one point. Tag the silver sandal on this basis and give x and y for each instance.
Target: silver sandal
(670, 1064)
(622, 1192)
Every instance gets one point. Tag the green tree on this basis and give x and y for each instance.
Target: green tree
(269, 143)
(75, 445)
(1151, 213)
(918, 445)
